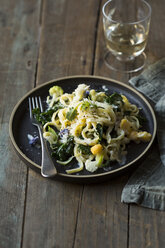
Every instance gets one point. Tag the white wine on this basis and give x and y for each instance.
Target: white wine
(126, 26)
(125, 41)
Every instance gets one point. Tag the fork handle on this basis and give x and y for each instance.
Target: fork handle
(47, 166)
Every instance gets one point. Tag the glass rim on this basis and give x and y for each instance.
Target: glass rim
(135, 22)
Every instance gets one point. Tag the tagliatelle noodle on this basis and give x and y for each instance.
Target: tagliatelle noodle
(83, 127)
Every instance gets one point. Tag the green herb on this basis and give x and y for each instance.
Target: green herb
(99, 129)
(114, 98)
(93, 106)
(86, 150)
(86, 105)
(71, 114)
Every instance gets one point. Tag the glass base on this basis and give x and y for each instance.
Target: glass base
(125, 66)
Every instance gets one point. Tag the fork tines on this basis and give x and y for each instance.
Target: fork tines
(35, 102)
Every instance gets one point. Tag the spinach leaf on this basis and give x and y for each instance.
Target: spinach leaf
(63, 151)
(81, 137)
(141, 119)
(128, 112)
(71, 114)
(57, 106)
(86, 150)
(99, 129)
(44, 117)
(113, 133)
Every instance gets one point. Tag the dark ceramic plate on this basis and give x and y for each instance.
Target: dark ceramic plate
(20, 127)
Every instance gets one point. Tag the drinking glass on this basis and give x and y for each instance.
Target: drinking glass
(126, 26)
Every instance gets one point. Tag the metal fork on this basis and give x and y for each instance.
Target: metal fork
(47, 166)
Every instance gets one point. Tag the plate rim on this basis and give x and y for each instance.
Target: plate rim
(25, 159)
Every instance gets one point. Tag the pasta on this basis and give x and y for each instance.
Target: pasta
(92, 127)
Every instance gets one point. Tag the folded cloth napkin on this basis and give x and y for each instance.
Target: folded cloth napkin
(146, 186)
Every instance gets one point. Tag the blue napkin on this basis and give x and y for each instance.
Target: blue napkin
(146, 186)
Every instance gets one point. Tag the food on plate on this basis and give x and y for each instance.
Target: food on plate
(93, 127)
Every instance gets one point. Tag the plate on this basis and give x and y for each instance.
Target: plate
(20, 126)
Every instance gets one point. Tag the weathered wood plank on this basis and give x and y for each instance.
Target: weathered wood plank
(155, 45)
(68, 37)
(19, 21)
(146, 226)
(67, 43)
(65, 215)
(102, 219)
(51, 212)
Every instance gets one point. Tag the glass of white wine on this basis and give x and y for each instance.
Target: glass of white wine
(126, 26)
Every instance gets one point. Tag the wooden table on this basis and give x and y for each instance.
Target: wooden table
(40, 41)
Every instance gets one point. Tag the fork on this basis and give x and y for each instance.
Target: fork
(47, 166)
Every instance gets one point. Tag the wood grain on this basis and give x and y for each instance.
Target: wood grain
(51, 212)
(146, 226)
(40, 41)
(67, 39)
(87, 215)
(18, 52)
(101, 212)
(155, 45)
(67, 44)
(102, 219)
